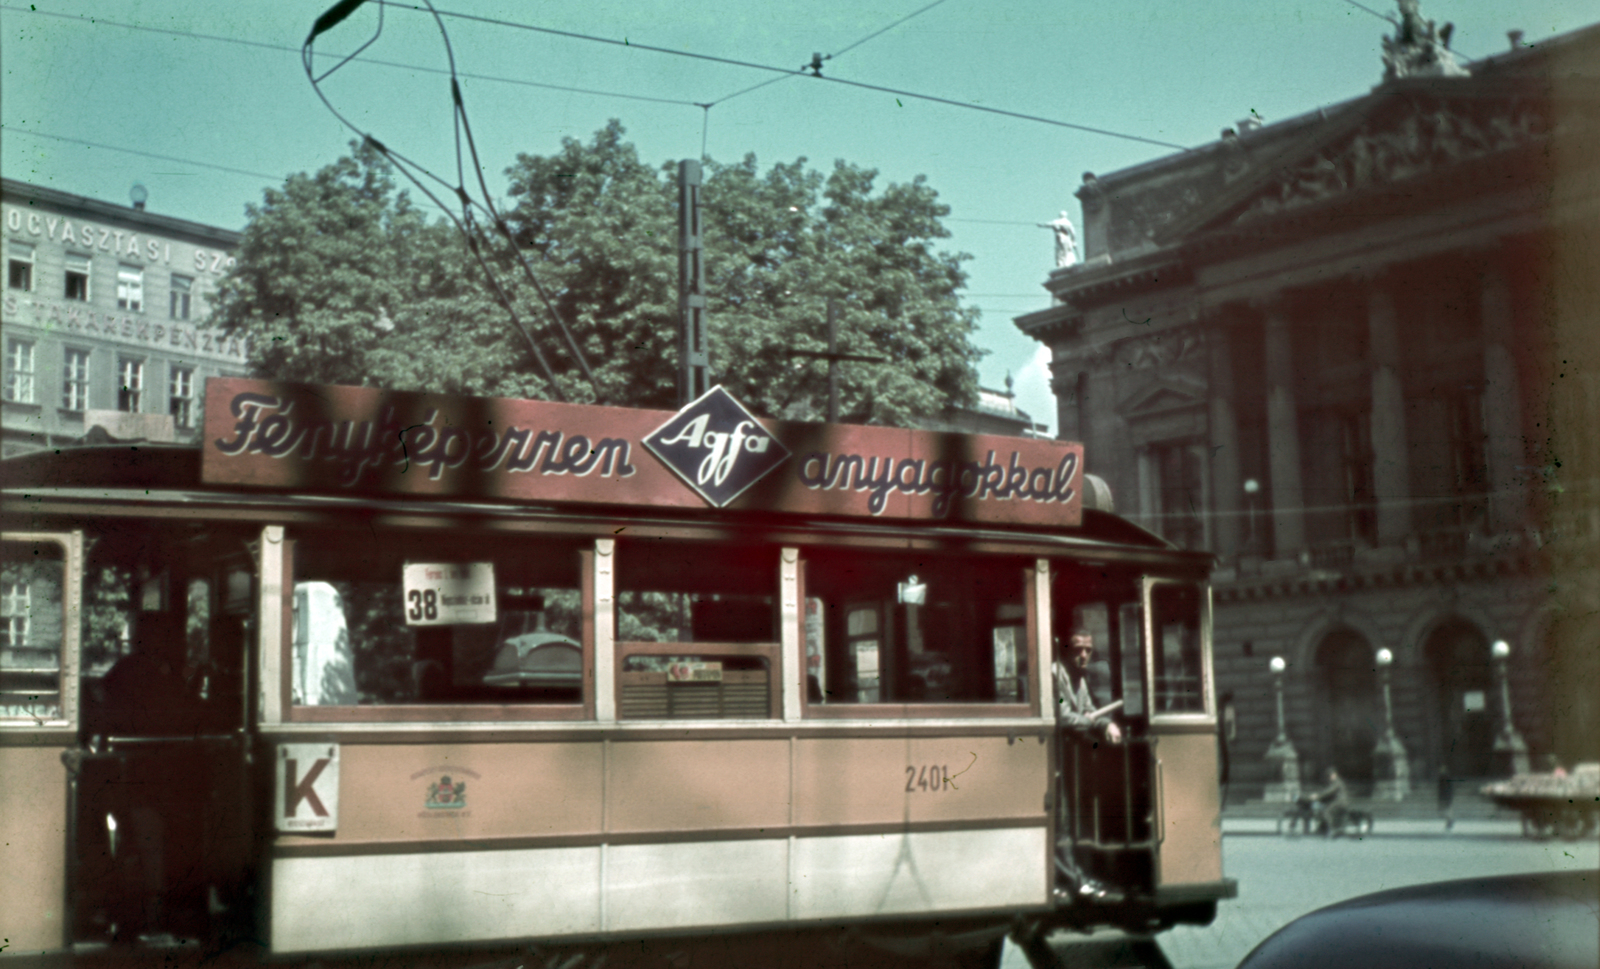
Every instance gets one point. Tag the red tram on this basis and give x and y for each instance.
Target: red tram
(373, 672)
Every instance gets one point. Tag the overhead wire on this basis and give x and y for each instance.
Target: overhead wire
(145, 154)
(466, 223)
(784, 71)
(101, 22)
(629, 44)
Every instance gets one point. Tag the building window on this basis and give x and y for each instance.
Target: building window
(15, 601)
(19, 266)
(75, 380)
(131, 385)
(1469, 463)
(182, 409)
(182, 288)
(1179, 496)
(1355, 468)
(19, 371)
(130, 288)
(77, 285)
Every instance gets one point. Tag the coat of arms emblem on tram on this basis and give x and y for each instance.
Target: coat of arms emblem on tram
(716, 446)
(446, 795)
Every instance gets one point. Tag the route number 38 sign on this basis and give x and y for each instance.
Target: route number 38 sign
(448, 593)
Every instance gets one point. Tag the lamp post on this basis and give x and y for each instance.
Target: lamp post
(1390, 766)
(1251, 487)
(1510, 752)
(1281, 753)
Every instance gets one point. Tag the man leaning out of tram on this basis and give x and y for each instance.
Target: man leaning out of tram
(1075, 713)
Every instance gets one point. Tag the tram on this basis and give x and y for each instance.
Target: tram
(371, 674)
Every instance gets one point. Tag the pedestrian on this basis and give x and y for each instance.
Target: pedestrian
(1447, 798)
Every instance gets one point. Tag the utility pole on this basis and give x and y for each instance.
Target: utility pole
(694, 360)
(833, 356)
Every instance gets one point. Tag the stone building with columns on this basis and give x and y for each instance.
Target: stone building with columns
(1354, 353)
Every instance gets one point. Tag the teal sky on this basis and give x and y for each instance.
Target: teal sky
(1156, 69)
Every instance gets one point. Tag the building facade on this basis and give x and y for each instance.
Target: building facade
(1353, 353)
(103, 317)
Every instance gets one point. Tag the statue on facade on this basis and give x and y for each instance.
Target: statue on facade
(1417, 49)
(1066, 240)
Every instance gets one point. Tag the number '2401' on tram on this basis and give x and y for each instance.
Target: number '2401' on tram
(369, 671)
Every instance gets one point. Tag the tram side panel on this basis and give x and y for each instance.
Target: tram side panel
(589, 838)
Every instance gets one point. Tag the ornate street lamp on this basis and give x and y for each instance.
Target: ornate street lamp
(1390, 766)
(1510, 752)
(1281, 753)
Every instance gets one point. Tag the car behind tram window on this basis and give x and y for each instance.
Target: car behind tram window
(412, 619)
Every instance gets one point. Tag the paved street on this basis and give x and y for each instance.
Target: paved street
(1281, 879)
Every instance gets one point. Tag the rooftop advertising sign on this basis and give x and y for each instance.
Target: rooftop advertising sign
(712, 452)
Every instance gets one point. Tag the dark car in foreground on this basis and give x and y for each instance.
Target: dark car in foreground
(1538, 921)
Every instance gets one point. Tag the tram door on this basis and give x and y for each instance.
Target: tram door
(1182, 730)
(39, 596)
(158, 788)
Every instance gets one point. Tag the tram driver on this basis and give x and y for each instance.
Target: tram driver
(1075, 706)
(1077, 714)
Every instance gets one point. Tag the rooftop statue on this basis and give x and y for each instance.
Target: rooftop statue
(1066, 240)
(1417, 49)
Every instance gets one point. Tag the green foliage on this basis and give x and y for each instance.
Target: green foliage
(332, 261)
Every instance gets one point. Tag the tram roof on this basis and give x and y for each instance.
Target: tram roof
(164, 481)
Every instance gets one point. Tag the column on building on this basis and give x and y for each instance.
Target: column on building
(1223, 431)
(1502, 404)
(1391, 482)
(1283, 435)
(1149, 483)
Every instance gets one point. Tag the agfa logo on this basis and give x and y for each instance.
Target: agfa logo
(716, 446)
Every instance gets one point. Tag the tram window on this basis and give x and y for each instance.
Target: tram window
(1177, 662)
(1106, 604)
(31, 627)
(361, 636)
(683, 592)
(909, 628)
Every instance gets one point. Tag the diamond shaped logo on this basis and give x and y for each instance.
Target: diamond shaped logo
(716, 446)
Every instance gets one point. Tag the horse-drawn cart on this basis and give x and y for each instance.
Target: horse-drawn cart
(1564, 805)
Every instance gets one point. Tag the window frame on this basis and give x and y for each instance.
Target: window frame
(1028, 570)
(180, 295)
(72, 561)
(75, 381)
(17, 376)
(16, 259)
(130, 288)
(130, 393)
(71, 272)
(185, 401)
(286, 547)
(1208, 712)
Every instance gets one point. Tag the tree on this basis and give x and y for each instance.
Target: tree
(341, 279)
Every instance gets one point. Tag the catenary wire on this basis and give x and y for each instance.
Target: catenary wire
(467, 224)
(612, 94)
(98, 21)
(145, 154)
(515, 25)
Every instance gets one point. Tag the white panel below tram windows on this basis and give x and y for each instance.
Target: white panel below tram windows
(364, 901)
(865, 875)
(693, 884)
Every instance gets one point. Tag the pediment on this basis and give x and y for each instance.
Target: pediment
(1162, 396)
(1400, 137)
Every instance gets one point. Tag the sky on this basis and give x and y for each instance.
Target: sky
(218, 91)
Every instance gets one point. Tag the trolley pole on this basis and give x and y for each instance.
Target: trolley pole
(694, 360)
